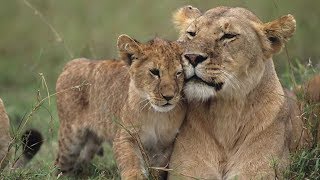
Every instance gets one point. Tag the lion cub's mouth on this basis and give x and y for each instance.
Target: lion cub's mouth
(163, 108)
(167, 104)
(216, 85)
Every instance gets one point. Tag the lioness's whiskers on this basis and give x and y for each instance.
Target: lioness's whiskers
(228, 78)
(233, 79)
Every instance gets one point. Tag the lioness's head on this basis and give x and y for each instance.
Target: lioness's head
(226, 49)
(155, 70)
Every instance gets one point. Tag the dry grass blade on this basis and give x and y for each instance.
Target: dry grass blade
(53, 30)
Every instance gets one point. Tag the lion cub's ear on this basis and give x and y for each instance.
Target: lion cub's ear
(183, 17)
(279, 31)
(129, 49)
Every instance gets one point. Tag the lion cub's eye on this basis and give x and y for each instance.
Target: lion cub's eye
(155, 72)
(228, 36)
(178, 73)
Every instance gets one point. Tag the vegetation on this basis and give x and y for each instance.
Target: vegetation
(37, 37)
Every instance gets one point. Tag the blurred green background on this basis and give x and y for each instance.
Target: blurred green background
(89, 28)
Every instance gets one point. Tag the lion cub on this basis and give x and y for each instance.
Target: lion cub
(4, 136)
(134, 103)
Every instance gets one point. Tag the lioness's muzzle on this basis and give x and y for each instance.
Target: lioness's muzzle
(195, 59)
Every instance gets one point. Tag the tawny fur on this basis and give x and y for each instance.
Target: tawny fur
(239, 118)
(186, 13)
(312, 91)
(118, 107)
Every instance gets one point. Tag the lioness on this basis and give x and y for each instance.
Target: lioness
(239, 119)
(134, 103)
(31, 142)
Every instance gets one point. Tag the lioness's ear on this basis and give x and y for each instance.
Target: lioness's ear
(183, 17)
(128, 48)
(279, 31)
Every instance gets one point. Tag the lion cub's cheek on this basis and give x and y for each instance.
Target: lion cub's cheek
(198, 91)
(141, 92)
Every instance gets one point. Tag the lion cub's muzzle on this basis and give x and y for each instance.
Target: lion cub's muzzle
(165, 105)
(166, 100)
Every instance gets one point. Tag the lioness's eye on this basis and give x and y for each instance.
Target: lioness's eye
(190, 33)
(228, 36)
(155, 72)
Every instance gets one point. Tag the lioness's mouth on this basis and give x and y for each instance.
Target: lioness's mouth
(216, 85)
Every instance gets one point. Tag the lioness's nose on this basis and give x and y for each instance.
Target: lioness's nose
(195, 59)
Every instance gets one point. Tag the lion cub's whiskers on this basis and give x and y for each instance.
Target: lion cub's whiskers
(143, 101)
(146, 104)
(155, 98)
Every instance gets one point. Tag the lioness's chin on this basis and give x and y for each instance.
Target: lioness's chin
(162, 108)
(198, 91)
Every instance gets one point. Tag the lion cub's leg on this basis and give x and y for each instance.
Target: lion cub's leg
(71, 142)
(128, 156)
(92, 146)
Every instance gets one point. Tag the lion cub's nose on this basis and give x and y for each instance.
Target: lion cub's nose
(195, 59)
(168, 98)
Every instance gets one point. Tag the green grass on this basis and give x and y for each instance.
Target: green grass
(28, 47)
(305, 164)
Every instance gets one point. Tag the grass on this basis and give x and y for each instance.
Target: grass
(40, 36)
(305, 164)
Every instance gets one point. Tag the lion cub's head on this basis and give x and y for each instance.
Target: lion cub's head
(155, 70)
(226, 49)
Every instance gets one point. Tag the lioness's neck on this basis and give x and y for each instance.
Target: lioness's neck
(228, 118)
(268, 85)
